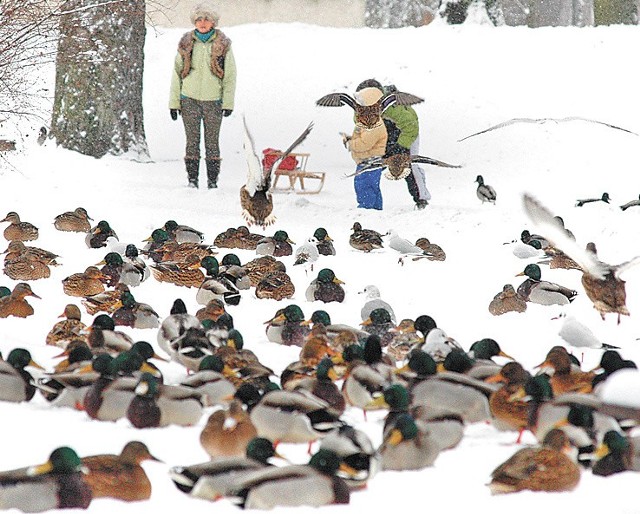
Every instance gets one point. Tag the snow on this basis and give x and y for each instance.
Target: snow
(472, 77)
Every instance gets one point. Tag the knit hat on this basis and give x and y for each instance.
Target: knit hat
(204, 10)
(369, 83)
(368, 96)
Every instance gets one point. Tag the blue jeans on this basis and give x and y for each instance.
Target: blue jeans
(367, 186)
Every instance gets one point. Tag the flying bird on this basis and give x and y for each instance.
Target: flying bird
(601, 281)
(604, 198)
(485, 192)
(631, 203)
(255, 197)
(399, 165)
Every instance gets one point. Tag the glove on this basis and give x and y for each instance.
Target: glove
(227, 112)
(174, 113)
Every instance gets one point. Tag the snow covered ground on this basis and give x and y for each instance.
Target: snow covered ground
(472, 77)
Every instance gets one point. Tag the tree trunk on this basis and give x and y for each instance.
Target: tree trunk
(611, 12)
(98, 92)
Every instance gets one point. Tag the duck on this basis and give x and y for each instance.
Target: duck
(19, 230)
(374, 301)
(604, 198)
(379, 324)
(174, 325)
(543, 468)
(17, 249)
(314, 484)
(323, 386)
(405, 338)
(16, 383)
(73, 221)
(232, 269)
(245, 239)
(158, 405)
(431, 251)
(610, 362)
(135, 314)
(326, 287)
(155, 243)
(307, 254)
(227, 238)
(325, 243)
(601, 281)
(117, 271)
(293, 417)
(193, 345)
(255, 195)
(536, 290)
(507, 408)
(276, 285)
(564, 378)
(209, 480)
(412, 444)
(215, 286)
(631, 203)
(98, 235)
(210, 380)
(277, 246)
(212, 311)
(120, 476)
(616, 453)
(185, 274)
(317, 345)
(26, 268)
(106, 302)
(183, 233)
(15, 304)
(557, 259)
(132, 257)
(398, 165)
(340, 335)
(485, 192)
(104, 338)
(261, 266)
(228, 431)
(86, 283)
(506, 301)
(287, 326)
(57, 484)
(365, 239)
(69, 329)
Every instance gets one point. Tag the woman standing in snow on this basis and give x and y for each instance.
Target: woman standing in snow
(203, 86)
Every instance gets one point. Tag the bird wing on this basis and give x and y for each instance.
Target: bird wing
(545, 223)
(267, 171)
(428, 160)
(255, 179)
(621, 268)
(399, 98)
(336, 100)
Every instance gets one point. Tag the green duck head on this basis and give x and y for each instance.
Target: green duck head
(159, 236)
(535, 244)
(404, 429)
(211, 363)
(380, 317)
(210, 265)
(80, 353)
(372, 349)
(248, 394)
(321, 234)
(539, 388)
(128, 300)
(397, 397)
(457, 361)
(131, 251)
(424, 324)
(580, 416)
(103, 226)
(293, 313)
(231, 259)
(487, 349)
(325, 370)
(612, 442)
(321, 317)
(422, 363)
(325, 461)
(532, 271)
(260, 449)
(144, 349)
(63, 461)
(327, 276)
(171, 226)
(19, 358)
(4, 291)
(113, 259)
(281, 236)
(353, 352)
(103, 322)
(104, 365)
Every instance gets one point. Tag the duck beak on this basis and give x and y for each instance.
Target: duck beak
(394, 438)
(306, 322)
(498, 378)
(506, 356)
(377, 403)
(403, 369)
(337, 359)
(366, 322)
(336, 280)
(157, 357)
(280, 318)
(34, 295)
(101, 263)
(34, 364)
(41, 469)
(521, 274)
(150, 369)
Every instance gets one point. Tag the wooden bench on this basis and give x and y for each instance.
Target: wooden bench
(298, 176)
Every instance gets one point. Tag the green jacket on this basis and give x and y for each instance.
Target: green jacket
(201, 84)
(405, 119)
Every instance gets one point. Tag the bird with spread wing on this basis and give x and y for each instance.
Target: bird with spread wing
(255, 198)
(601, 281)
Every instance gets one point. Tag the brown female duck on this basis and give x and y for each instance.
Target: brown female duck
(228, 431)
(364, 239)
(71, 328)
(507, 301)
(73, 221)
(15, 304)
(17, 249)
(26, 268)
(19, 230)
(261, 266)
(87, 283)
(276, 285)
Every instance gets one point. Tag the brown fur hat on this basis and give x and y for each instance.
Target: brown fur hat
(204, 10)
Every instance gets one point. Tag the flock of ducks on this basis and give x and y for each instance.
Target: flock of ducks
(426, 383)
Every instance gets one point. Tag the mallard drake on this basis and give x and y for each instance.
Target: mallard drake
(543, 292)
(507, 300)
(373, 301)
(135, 314)
(485, 192)
(364, 239)
(103, 337)
(209, 479)
(293, 417)
(215, 286)
(183, 233)
(107, 302)
(73, 221)
(232, 269)
(132, 257)
(276, 285)
(617, 453)
(16, 383)
(277, 246)
(261, 266)
(57, 484)
(227, 431)
(17, 250)
(211, 381)
(325, 243)
(176, 324)
(610, 362)
(544, 468)
(193, 345)
(323, 386)
(15, 304)
(87, 283)
(431, 251)
(98, 235)
(19, 230)
(379, 324)
(117, 271)
(255, 196)
(120, 476)
(411, 444)
(604, 198)
(159, 405)
(564, 378)
(69, 329)
(326, 287)
(601, 281)
(154, 245)
(288, 326)
(26, 268)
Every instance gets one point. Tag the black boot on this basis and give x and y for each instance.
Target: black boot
(213, 170)
(193, 167)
